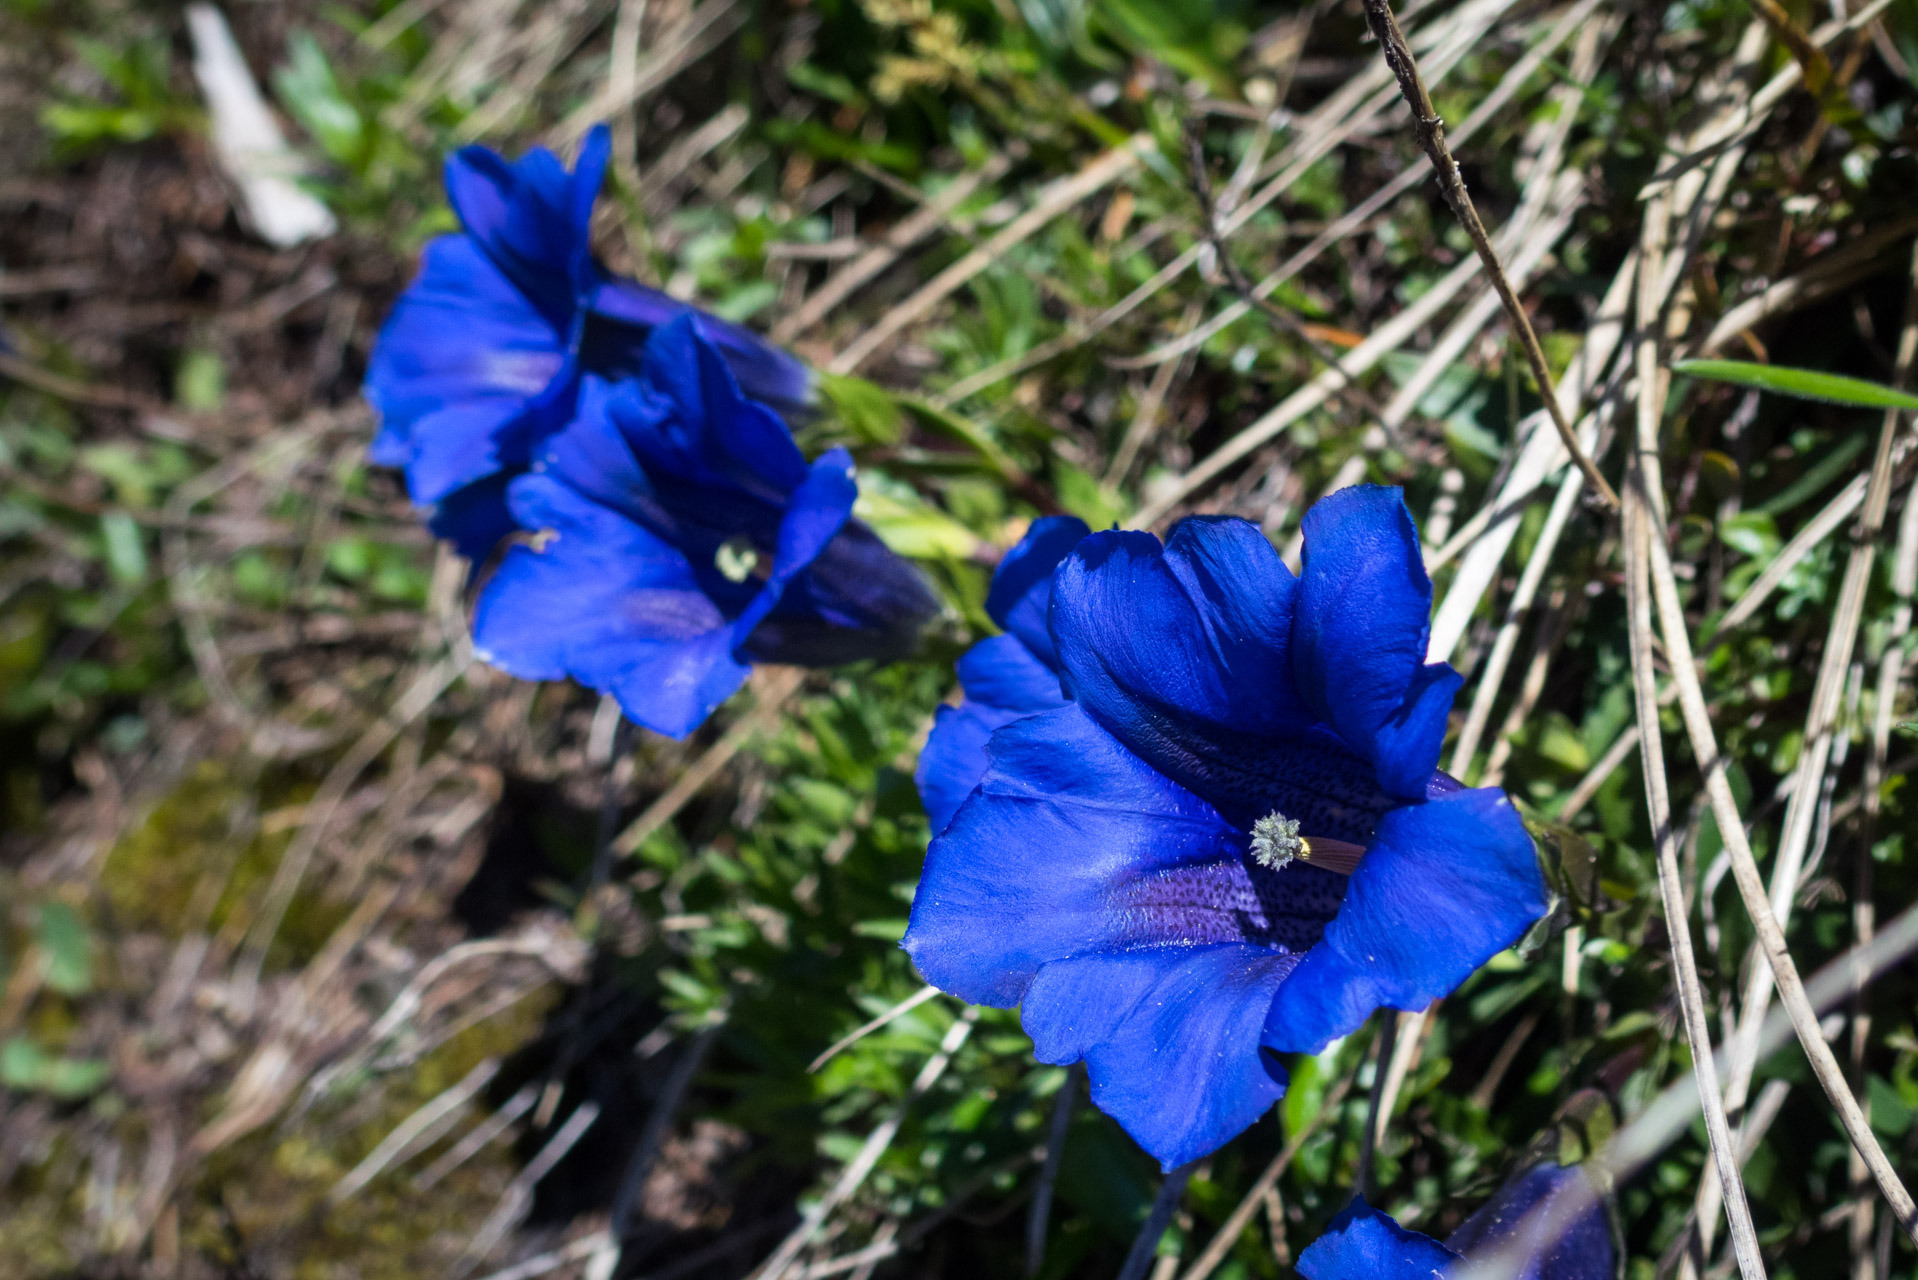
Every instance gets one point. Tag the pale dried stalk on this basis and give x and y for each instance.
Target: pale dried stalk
(1751, 888)
(1146, 419)
(412, 704)
(698, 34)
(1824, 276)
(1051, 201)
(1236, 1222)
(773, 688)
(1670, 1114)
(855, 1173)
(1429, 131)
(419, 1128)
(1489, 533)
(1494, 103)
(1691, 995)
(1615, 755)
(1340, 116)
(1821, 719)
(910, 230)
(1816, 530)
(1393, 334)
(854, 1036)
(1516, 614)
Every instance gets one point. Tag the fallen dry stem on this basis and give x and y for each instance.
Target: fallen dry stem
(1691, 994)
(1751, 888)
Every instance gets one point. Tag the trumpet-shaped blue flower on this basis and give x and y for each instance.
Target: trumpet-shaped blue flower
(483, 354)
(679, 537)
(1004, 677)
(1234, 837)
(1364, 1244)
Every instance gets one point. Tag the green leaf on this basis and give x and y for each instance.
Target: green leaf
(25, 1065)
(67, 949)
(126, 554)
(308, 87)
(1805, 384)
(868, 410)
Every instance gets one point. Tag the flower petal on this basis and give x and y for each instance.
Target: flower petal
(1581, 1251)
(604, 601)
(715, 434)
(1002, 672)
(1443, 887)
(1364, 1244)
(1181, 653)
(532, 218)
(816, 511)
(1022, 584)
(1033, 867)
(462, 357)
(859, 600)
(1359, 635)
(624, 313)
(474, 518)
(1003, 681)
(954, 757)
(1170, 1039)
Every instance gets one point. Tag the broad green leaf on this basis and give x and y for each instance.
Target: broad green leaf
(1805, 384)
(67, 948)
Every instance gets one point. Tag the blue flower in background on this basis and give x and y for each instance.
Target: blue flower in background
(483, 355)
(1234, 837)
(680, 537)
(1004, 677)
(1364, 1244)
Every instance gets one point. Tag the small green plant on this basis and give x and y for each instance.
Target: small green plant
(139, 101)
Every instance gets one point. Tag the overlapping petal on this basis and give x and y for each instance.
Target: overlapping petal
(1181, 652)
(1359, 638)
(462, 364)
(600, 599)
(1003, 681)
(1021, 590)
(1005, 676)
(1121, 910)
(1034, 866)
(532, 218)
(1443, 887)
(1364, 1244)
(1169, 1036)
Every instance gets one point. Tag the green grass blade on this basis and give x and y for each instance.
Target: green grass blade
(1805, 384)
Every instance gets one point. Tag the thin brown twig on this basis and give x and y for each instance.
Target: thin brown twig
(1429, 131)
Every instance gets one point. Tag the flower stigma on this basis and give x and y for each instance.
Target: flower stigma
(1276, 843)
(736, 558)
(1275, 840)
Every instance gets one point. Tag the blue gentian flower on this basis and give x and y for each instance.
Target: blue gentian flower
(1004, 677)
(1234, 837)
(1364, 1244)
(483, 354)
(679, 537)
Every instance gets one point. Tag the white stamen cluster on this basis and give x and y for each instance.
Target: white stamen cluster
(1275, 840)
